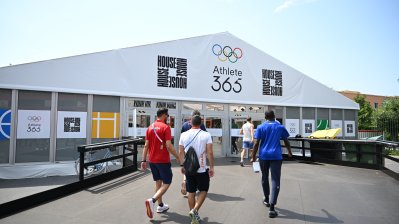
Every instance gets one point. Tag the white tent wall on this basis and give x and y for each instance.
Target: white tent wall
(133, 72)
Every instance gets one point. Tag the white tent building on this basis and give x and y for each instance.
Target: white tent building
(47, 108)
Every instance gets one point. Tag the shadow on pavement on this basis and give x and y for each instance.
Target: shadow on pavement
(287, 214)
(117, 183)
(36, 182)
(178, 218)
(223, 198)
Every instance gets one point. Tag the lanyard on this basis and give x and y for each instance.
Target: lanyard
(193, 139)
(153, 128)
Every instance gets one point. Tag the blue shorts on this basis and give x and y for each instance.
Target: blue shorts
(247, 145)
(162, 171)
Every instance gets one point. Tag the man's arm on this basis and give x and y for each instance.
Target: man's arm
(288, 146)
(172, 150)
(255, 150)
(144, 158)
(181, 155)
(209, 152)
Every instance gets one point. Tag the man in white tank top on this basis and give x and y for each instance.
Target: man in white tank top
(247, 131)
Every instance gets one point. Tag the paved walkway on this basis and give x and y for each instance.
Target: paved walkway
(310, 193)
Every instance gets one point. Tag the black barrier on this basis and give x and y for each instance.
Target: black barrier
(357, 153)
(126, 144)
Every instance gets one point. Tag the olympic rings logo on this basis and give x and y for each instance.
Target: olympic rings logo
(34, 118)
(226, 52)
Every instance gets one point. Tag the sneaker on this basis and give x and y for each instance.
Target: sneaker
(273, 214)
(265, 202)
(195, 218)
(162, 209)
(242, 164)
(150, 208)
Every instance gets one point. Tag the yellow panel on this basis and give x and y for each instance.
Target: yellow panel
(108, 125)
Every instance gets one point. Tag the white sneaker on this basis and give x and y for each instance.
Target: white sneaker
(162, 209)
(195, 218)
(150, 208)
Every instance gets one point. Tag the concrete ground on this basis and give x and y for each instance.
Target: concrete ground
(310, 193)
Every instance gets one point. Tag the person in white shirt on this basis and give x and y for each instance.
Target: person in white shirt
(247, 130)
(201, 141)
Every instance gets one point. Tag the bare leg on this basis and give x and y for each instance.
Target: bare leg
(191, 200)
(200, 200)
(243, 154)
(160, 190)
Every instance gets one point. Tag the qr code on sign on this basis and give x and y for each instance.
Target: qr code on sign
(72, 124)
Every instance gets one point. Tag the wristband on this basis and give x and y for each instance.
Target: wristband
(181, 165)
(143, 161)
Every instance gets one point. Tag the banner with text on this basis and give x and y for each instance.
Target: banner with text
(33, 124)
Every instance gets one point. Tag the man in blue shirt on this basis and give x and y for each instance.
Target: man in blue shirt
(187, 125)
(268, 136)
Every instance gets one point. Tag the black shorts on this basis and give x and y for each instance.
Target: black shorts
(200, 182)
(162, 171)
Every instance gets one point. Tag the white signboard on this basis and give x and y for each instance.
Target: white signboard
(308, 127)
(350, 128)
(71, 124)
(337, 124)
(292, 126)
(33, 124)
(235, 132)
(139, 132)
(215, 131)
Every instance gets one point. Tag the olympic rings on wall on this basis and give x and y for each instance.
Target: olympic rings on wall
(226, 52)
(34, 118)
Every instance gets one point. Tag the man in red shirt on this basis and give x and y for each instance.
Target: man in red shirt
(158, 145)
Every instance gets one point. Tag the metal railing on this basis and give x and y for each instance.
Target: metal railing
(128, 148)
(358, 153)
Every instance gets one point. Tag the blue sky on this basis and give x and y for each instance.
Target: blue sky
(344, 44)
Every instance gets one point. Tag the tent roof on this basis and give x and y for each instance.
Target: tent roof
(212, 68)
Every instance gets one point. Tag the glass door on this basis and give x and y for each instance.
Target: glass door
(214, 126)
(138, 122)
(235, 137)
(238, 117)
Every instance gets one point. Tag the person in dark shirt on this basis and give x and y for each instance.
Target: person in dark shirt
(187, 125)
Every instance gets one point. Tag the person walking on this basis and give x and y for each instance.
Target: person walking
(268, 137)
(248, 139)
(201, 141)
(159, 147)
(185, 127)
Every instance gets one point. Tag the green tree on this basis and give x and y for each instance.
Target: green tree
(387, 118)
(365, 114)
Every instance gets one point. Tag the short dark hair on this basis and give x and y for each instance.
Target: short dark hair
(269, 115)
(196, 120)
(162, 111)
(249, 119)
(196, 112)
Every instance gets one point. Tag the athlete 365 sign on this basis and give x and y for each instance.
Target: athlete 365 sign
(33, 124)
(225, 78)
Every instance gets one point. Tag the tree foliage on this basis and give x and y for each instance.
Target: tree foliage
(387, 118)
(365, 114)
